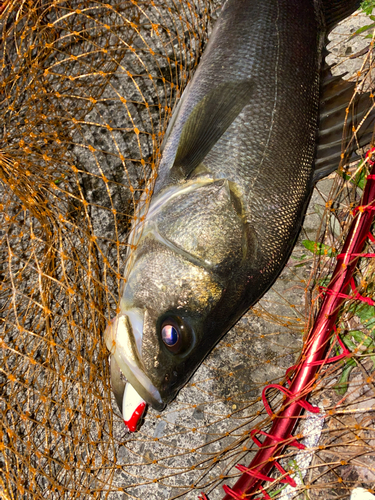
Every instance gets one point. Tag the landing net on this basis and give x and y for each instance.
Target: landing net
(86, 92)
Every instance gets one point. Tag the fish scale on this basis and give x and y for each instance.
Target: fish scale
(257, 52)
(236, 174)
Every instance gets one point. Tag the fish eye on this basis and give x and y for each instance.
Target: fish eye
(170, 335)
(173, 334)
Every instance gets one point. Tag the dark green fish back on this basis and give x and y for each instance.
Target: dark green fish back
(262, 137)
(270, 146)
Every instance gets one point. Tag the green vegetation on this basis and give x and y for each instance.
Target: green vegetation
(367, 6)
(359, 179)
(367, 27)
(319, 248)
(360, 341)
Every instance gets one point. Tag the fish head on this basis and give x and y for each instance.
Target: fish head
(162, 323)
(174, 308)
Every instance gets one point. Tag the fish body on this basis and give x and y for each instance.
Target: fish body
(239, 163)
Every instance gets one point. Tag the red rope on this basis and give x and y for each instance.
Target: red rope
(362, 209)
(293, 441)
(357, 295)
(263, 477)
(307, 406)
(243, 496)
(369, 255)
(346, 353)
(233, 494)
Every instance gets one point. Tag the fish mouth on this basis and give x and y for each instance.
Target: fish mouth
(123, 338)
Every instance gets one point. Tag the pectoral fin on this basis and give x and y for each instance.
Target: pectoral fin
(208, 121)
(335, 137)
(174, 117)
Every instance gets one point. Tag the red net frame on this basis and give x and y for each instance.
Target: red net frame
(314, 355)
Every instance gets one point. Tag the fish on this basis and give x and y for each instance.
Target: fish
(259, 123)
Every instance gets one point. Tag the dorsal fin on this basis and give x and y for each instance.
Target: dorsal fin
(208, 121)
(336, 95)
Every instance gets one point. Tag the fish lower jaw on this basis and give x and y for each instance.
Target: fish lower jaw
(129, 402)
(141, 384)
(124, 342)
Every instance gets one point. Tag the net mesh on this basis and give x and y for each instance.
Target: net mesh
(86, 92)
